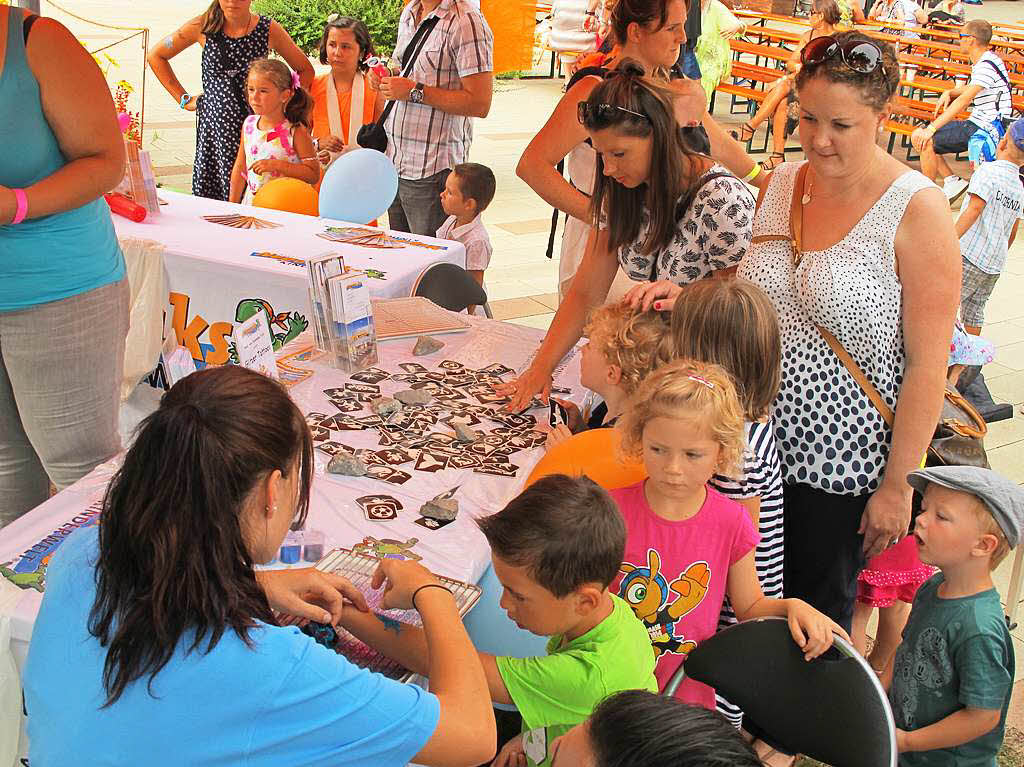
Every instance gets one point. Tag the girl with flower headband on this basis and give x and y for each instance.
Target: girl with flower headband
(275, 138)
(687, 545)
(231, 36)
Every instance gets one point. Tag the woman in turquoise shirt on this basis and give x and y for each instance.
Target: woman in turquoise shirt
(157, 643)
(63, 295)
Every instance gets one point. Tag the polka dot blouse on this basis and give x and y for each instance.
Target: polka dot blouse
(829, 434)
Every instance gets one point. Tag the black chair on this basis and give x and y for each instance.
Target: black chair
(450, 286)
(832, 709)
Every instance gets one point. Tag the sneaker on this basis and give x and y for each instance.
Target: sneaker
(954, 186)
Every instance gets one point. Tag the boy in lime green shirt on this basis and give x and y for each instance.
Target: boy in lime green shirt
(555, 548)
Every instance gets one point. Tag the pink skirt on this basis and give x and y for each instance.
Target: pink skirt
(893, 575)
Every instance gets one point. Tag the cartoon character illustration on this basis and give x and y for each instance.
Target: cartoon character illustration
(36, 579)
(647, 592)
(291, 323)
(387, 548)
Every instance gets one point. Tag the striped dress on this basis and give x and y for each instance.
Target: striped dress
(762, 478)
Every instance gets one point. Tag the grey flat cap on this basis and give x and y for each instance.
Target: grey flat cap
(1004, 499)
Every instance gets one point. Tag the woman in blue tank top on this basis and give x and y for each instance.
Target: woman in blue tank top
(63, 293)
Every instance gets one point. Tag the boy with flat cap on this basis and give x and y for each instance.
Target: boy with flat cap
(950, 680)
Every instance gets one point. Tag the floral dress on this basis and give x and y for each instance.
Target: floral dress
(273, 144)
(223, 107)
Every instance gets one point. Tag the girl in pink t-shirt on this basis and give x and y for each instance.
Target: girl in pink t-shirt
(687, 545)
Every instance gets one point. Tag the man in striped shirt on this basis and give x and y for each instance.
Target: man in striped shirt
(987, 92)
(430, 129)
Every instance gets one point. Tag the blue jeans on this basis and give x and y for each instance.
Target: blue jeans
(688, 62)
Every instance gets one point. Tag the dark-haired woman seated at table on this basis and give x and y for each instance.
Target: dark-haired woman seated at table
(157, 642)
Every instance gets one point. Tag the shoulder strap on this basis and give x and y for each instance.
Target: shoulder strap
(999, 72)
(796, 216)
(586, 72)
(29, 20)
(412, 50)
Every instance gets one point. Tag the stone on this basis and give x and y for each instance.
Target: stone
(348, 465)
(441, 509)
(413, 397)
(463, 433)
(385, 406)
(426, 345)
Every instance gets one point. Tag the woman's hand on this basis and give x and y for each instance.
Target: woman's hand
(8, 205)
(192, 104)
(886, 518)
(660, 295)
(332, 144)
(512, 754)
(310, 593)
(521, 390)
(811, 630)
(400, 579)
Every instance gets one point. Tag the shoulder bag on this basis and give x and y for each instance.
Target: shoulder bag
(959, 435)
(372, 135)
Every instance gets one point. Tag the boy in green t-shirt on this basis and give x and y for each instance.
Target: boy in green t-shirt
(950, 680)
(555, 549)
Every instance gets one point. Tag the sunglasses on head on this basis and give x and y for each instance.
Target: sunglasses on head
(859, 55)
(602, 115)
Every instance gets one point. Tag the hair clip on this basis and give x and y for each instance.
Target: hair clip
(700, 379)
(296, 84)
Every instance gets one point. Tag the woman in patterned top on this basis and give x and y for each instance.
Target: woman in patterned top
(232, 37)
(878, 268)
(659, 210)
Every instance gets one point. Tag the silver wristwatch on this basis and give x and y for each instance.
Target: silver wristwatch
(416, 94)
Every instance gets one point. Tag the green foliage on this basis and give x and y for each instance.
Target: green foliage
(304, 19)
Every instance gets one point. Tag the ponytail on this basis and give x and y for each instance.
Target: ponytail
(299, 109)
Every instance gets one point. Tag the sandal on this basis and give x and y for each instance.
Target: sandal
(744, 134)
(774, 160)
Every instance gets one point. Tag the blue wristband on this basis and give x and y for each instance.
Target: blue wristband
(185, 98)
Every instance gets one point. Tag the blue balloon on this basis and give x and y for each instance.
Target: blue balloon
(358, 187)
(491, 630)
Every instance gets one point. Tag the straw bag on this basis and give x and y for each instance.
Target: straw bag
(959, 435)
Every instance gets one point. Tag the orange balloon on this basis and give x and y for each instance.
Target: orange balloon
(288, 194)
(594, 453)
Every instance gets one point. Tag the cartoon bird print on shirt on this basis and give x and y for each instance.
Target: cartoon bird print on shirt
(647, 592)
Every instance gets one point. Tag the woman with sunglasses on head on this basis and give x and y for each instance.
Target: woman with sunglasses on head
(781, 98)
(646, 31)
(157, 641)
(659, 210)
(877, 267)
(343, 99)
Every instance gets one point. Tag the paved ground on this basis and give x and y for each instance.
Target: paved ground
(521, 282)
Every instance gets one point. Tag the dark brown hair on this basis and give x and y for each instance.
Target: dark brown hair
(213, 19)
(732, 323)
(173, 561)
(566, 531)
(876, 88)
(674, 168)
(359, 31)
(829, 10)
(299, 108)
(640, 727)
(476, 182)
(642, 12)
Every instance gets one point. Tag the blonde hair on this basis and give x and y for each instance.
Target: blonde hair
(629, 339)
(732, 323)
(988, 526)
(688, 390)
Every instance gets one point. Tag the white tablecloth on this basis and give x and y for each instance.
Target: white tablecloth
(213, 269)
(457, 550)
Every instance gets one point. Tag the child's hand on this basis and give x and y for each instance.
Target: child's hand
(511, 754)
(400, 579)
(265, 166)
(574, 415)
(903, 741)
(811, 630)
(557, 436)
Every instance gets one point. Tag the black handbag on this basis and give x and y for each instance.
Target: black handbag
(372, 135)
